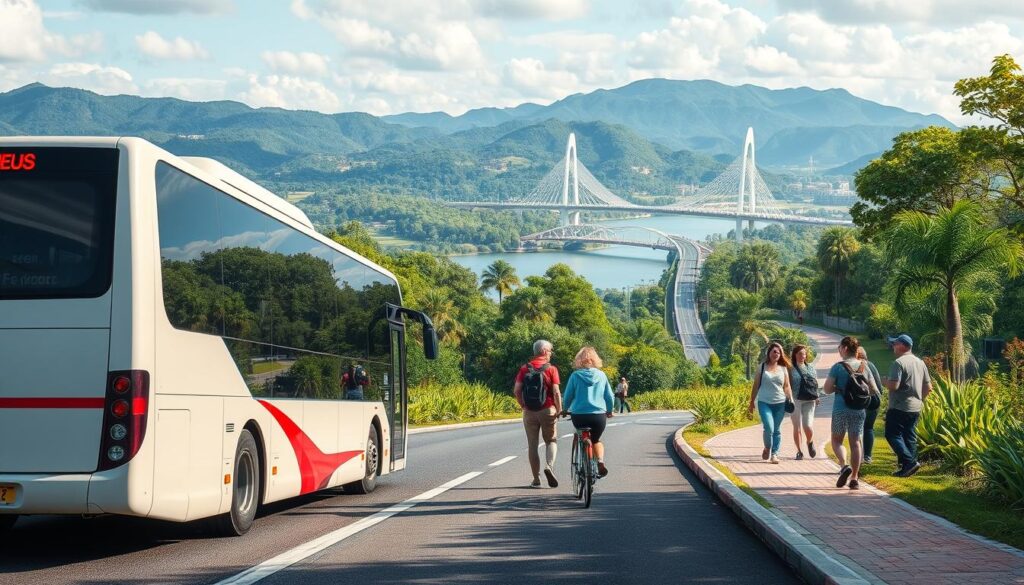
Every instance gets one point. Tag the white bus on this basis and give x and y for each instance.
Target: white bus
(173, 339)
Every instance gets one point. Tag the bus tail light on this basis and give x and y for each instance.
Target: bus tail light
(124, 418)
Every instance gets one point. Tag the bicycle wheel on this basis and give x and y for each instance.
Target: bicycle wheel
(574, 468)
(588, 474)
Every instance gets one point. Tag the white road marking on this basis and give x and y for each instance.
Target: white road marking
(502, 461)
(566, 436)
(303, 551)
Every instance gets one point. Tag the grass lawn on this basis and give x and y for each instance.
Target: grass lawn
(697, 435)
(957, 499)
(264, 367)
(438, 423)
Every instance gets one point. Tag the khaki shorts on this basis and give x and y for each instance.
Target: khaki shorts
(542, 421)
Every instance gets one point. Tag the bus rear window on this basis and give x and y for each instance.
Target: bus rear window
(56, 221)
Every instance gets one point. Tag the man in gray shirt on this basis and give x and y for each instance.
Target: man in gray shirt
(909, 384)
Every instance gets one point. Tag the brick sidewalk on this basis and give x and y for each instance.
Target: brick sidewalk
(883, 539)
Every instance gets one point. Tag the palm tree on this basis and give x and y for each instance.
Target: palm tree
(652, 333)
(835, 250)
(501, 276)
(948, 251)
(756, 266)
(529, 303)
(744, 321)
(798, 301)
(437, 304)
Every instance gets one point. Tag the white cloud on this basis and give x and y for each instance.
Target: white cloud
(770, 62)
(533, 9)
(155, 46)
(360, 36)
(23, 37)
(161, 6)
(895, 12)
(446, 46)
(191, 89)
(99, 78)
(533, 79)
(296, 63)
(283, 91)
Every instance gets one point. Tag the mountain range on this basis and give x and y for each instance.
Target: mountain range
(644, 138)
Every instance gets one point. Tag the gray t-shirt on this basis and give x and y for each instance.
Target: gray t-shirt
(911, 376)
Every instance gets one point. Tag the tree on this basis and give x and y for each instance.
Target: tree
(742, 319)
(438, 305)
(529, 303)
(500, 276)
(946, 251)
(835, 250)
(1000, 97)
(651, 332)
(757, 266)
(646, 368)
(798, 301)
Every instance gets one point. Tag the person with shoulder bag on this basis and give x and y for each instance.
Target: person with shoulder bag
(804, 384)
(536, 390)
(853, 388)
(774, 399)
(871, 412)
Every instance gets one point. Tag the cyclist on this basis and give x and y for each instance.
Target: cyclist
(589, 400)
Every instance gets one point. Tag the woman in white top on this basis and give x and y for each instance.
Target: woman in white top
(771, 390)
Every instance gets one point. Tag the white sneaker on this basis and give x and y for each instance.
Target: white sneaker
(774, 459)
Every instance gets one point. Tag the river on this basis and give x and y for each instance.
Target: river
(611, 267)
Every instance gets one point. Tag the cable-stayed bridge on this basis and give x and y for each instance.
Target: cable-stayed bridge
(681, 316)
(738, 193)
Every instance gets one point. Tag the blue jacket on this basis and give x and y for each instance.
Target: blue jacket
(588, 392)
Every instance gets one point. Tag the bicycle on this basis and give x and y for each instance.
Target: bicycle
(583, 468)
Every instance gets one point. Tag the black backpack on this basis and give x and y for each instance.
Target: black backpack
(857, 391)
(808, 389)
(535, 394)
(357, 378)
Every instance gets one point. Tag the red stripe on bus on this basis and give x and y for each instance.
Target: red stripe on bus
(315, 466)
(51, 402)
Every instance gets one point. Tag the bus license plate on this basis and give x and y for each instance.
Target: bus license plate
(7, 493)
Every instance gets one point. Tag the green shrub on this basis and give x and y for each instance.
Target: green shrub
(431, 403)
(710, 406)
(956, 424)
(1002, 464)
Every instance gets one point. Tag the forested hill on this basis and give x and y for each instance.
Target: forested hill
(706, 116)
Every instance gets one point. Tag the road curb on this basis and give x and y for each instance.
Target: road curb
(452, 427)
(813, 564)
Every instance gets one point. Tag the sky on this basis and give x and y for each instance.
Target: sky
(391, 56)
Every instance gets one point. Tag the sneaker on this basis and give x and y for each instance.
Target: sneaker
(911, 470)
(844, 474)
(811, 450)
(601, 469)
(535, 483)
(854, 484)
(774, 459)
(867, 460)
(552, 481)
(799, 455)
(764, 454)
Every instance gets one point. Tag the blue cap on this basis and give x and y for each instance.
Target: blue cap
(902, 338)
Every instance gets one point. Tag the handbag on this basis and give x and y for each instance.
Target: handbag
(874, 402)
(808, 389)
(790, 407)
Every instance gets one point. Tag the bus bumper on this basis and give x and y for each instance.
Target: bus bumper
(47, 493)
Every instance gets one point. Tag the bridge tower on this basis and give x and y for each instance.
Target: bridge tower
(568, 217)
(748, 175)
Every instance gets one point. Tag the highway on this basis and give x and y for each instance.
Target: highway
(686, 318)
(462, 512)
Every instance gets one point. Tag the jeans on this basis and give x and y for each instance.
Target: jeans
(771, 420)
(620, 403)
(869, 431)
(901, 433)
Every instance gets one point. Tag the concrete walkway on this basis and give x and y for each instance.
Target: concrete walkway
(881, 538)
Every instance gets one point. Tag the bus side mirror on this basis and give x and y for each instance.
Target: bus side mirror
(429, 341)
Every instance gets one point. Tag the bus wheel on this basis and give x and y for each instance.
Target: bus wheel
(245, 489)
(6, 522)
(369, 481)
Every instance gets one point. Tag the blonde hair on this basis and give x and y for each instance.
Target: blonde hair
(587, 358)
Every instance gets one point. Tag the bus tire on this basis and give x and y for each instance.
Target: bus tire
(245, 489)
(7, 522)
(369, 481)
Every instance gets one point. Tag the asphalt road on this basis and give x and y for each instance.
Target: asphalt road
(691, 331)
(651, 522)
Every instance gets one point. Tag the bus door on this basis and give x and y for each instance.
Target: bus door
(398, 397)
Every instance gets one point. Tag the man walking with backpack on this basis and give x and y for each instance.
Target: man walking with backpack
(909, 384)
(537, 392)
